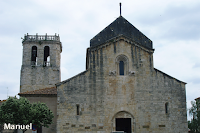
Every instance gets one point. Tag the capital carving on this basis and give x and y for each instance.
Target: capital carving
(112, 73)
(131, 73)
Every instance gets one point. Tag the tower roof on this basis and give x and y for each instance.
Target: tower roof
(121, 27)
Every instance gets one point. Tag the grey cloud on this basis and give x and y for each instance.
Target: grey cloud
(176, 23)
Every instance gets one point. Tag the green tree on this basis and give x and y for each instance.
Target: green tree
(194, 111)
(20, 111)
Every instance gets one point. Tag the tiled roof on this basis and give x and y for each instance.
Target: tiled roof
(45, 91)
(2, 101)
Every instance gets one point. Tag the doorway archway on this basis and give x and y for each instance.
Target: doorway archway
(123, 121)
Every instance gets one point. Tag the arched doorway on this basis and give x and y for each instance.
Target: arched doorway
(123, 121)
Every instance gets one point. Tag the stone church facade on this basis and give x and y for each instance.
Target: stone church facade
(120, 90)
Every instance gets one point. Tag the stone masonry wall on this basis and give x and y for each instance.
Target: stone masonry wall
(40, 76)
(103, 95)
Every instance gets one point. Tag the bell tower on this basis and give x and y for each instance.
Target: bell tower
(40, 62)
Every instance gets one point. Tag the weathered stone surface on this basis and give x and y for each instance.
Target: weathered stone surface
(38, 76)
(152, 100)
(140, 94)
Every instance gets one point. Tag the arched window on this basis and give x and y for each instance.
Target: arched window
(166, 108)
(122, 65)
(121, 68)
(34, 56)
(46, 56)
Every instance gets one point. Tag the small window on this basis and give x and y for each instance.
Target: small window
(34, 56)
(46, 56)
(121, 63)
(166, 108)
(77, 109)
(121, 68)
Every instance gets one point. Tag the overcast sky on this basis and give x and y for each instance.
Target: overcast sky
(172, 25)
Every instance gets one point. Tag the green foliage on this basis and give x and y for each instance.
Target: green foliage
(42, 116)
(20, 111)
(194, 111)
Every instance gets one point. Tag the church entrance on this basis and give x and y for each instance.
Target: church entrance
(123, 124)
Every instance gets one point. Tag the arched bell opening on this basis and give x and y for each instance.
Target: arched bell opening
(46, 56)
(34, 56)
